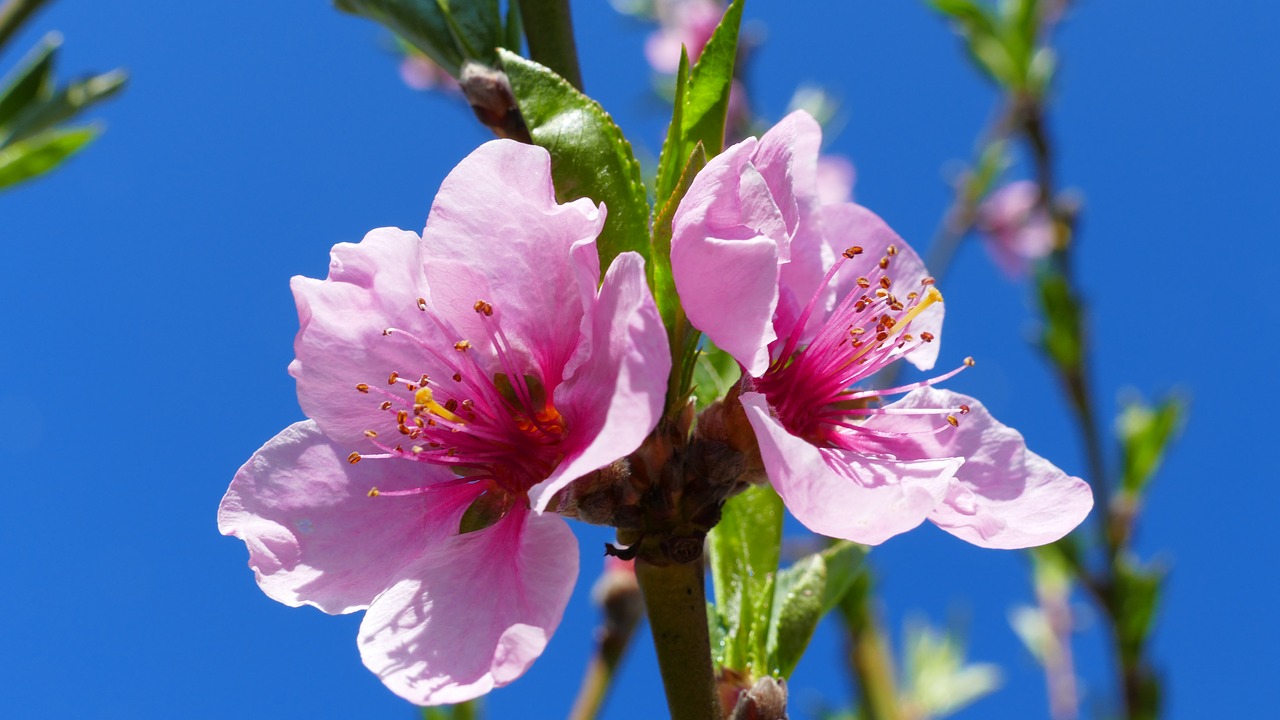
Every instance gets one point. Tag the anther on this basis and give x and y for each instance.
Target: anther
(422, 304)
(371, 434)
(885, 282)
(926, 336)
(401, 416)
(386, 332)
(884, 263)
(362, 388)
(483, 308)
(373, 492)
(928, 281)
(417, 449)
(864, 283)
(853, 252)
(353, 458)
(892, 250)
(462, 345)
(392, 378)
(457, 377)
(954, 422)
(386, 405)
(969, 362)
(964, 409)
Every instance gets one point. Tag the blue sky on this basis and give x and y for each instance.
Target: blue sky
(144, 294)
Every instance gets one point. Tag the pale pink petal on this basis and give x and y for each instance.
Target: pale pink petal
(372, 285)
(728, 237)
(617, 396)
(472, 613)
(849, 224)
(496, 233)
(844, 494)
(787, 158)
(1005, 496)
(315, 536)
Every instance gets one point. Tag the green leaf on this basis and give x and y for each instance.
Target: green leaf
(1061, 337)
(64, 105)
(744, 549)
(589, 155)
(1135, 597)
(32, 81)
(798, 600)
(718, 631)
(844, 564)
(681, 336)
(985, 38)
(515, 28)
(42, 153)
(421, 22)
(938, 679)
(716, 371)
(1145, 432)
(701, 102)
(476, 26)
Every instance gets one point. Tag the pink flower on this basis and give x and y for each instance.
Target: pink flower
(1017, 230)
(836, 176)
(687, 23)
(420, 72)
(812, 299)
(454, 383)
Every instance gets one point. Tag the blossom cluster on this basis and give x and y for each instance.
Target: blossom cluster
(455, 381)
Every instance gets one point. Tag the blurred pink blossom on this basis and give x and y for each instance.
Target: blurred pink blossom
(1015, 227)
(813, 299)
(420, 72)
(687, 23)
(454, 383)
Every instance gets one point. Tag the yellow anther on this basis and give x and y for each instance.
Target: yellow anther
(373, 492)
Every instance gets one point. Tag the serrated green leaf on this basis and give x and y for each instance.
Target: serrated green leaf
(63, 105)
(32, 81)
(476, 26)
(701, 102)
(42, 153)
(421, 22)
(707, 100)
(1145, 432)
(797, 607)
(590, 157)
(744, 549)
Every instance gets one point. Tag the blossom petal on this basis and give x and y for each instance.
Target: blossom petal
(845, 494)
(787, 158)
(496, 233)
(1005, 496)
(474, 612)
(617, 396)
(849, 224)
(372, 285)
(314, 535)
(728, 237)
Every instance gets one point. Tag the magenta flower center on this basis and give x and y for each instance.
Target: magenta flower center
(500, 428)
(811, 389)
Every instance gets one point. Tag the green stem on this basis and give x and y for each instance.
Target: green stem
(13, 14)
(675, 599)
(548, 27)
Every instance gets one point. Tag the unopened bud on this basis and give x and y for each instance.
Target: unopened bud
(766, 700)
(489, 92)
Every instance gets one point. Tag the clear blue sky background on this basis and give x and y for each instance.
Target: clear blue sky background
(146, 322)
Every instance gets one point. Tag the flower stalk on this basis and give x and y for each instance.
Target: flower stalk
(676, 602)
